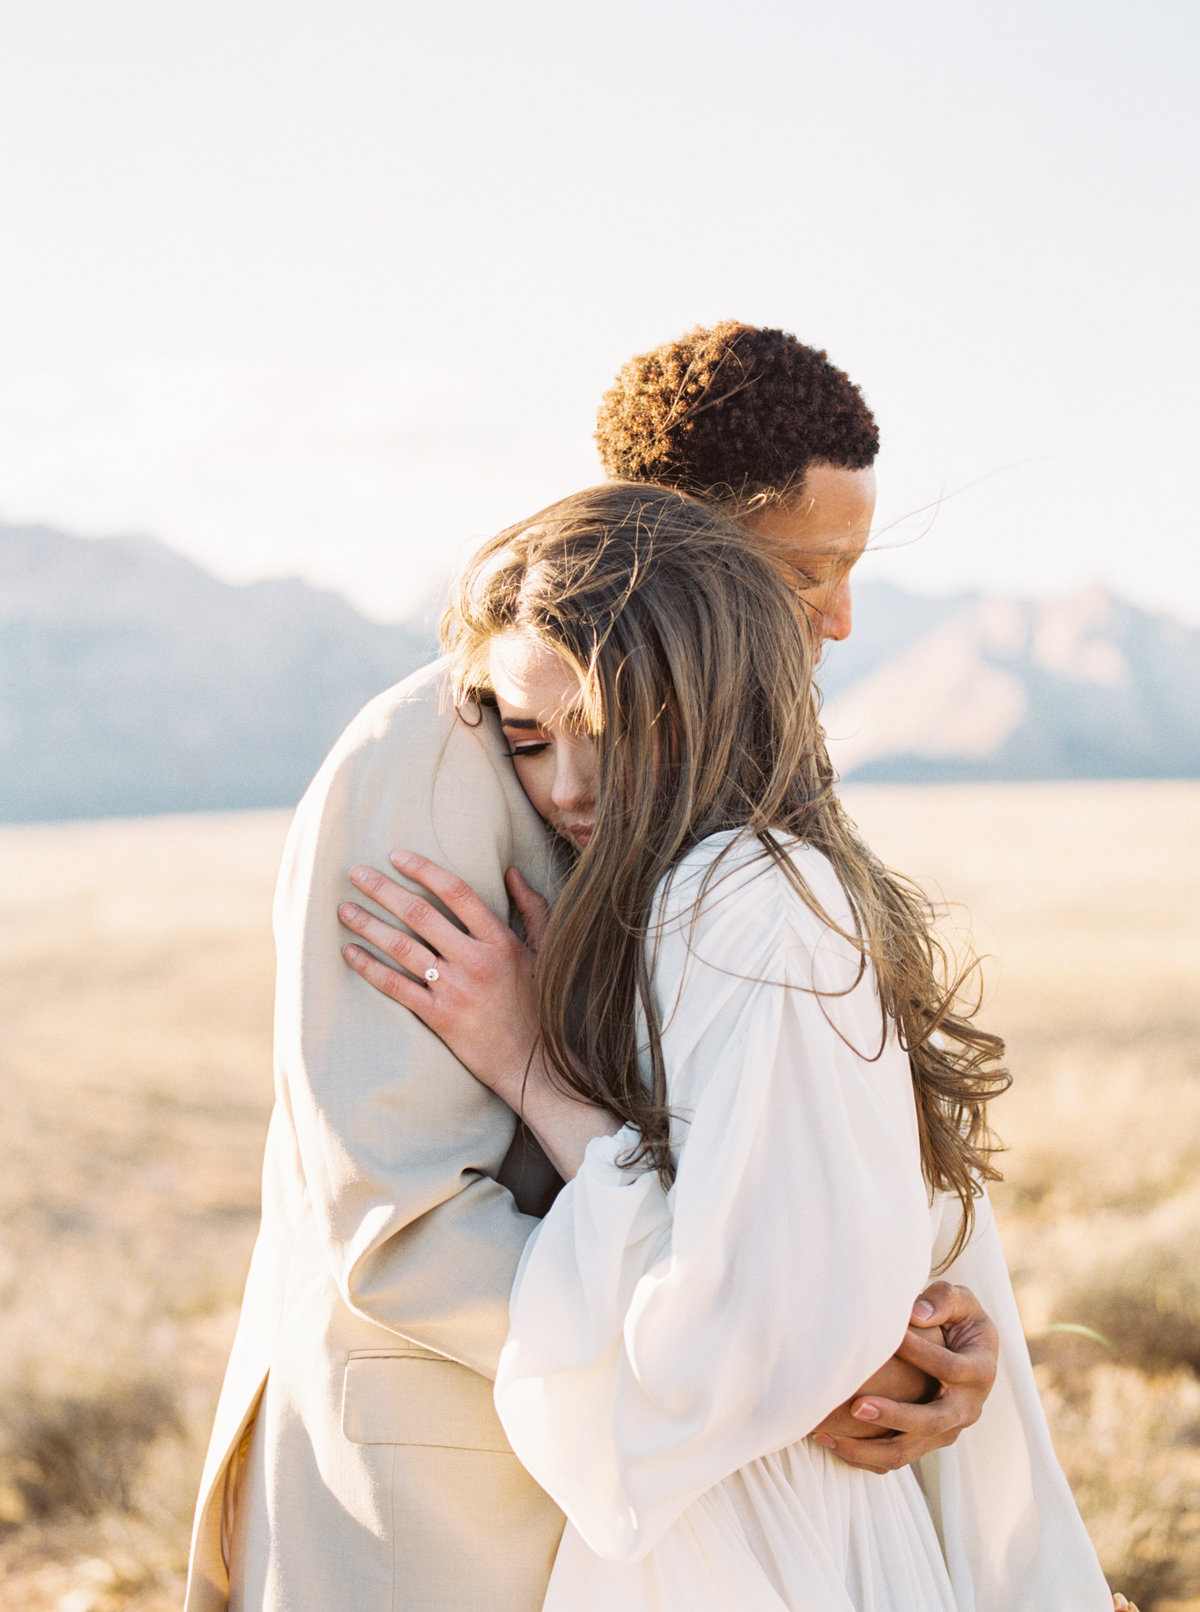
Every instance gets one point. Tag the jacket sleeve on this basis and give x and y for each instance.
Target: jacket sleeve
(402, 1150)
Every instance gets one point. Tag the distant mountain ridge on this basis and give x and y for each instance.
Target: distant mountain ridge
(132, 681)
(989, 688)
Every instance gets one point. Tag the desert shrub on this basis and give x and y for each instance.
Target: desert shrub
(83, 1454)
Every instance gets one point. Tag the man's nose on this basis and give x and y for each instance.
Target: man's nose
(838, 620)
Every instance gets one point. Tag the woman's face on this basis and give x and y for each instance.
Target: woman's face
(540, 703)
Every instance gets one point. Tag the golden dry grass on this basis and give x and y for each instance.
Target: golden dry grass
(135, 1085)
(135, 998)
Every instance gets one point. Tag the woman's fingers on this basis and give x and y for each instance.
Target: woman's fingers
(411, 909)
(533, 908)
(407, 950)
(454, 893)
(391, 982)
(473, 987)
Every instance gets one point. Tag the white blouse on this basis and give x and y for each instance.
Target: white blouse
(670, 1351)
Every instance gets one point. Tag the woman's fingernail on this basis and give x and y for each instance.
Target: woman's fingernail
(350, 953)
(399, 858)
(357, 875)
(866, 1413)
(824, 1440)
(922, 1310)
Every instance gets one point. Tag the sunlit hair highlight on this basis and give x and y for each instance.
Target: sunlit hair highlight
(696, 675)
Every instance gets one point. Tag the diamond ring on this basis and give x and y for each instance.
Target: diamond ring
(431, 974)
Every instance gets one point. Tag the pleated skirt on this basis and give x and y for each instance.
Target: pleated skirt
(797, 1531)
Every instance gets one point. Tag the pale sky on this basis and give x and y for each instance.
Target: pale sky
(334, 290)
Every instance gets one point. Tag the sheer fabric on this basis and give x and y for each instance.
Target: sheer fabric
(669, 1351)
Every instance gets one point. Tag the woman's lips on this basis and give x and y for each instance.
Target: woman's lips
(581, 833)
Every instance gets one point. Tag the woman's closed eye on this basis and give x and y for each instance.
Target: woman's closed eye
(530, 747)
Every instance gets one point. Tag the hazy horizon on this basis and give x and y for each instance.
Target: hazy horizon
(335, 291)
(423, 612)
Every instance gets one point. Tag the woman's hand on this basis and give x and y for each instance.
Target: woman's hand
(474, 987)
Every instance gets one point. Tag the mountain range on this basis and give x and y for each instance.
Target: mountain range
(132, 681)
(989, 688)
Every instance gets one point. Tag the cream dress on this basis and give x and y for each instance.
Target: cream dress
(670, 1351)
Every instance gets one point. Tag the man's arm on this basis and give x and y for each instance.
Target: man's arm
(401, 1148)
(878, 1428)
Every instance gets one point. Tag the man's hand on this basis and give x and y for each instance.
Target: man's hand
(884, 1433)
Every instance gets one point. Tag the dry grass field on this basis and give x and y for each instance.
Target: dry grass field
(135, 979)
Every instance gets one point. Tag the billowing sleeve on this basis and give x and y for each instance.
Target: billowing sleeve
(660, 1340)
(1011, 1533)
(403, 1152)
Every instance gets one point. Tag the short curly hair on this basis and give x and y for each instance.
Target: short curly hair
(734, 414)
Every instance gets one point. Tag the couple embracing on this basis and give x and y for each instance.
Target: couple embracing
(760, 1350)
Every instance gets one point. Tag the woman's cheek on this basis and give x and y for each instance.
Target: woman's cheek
(537, 780)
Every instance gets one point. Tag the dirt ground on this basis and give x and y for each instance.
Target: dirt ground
(135, 986)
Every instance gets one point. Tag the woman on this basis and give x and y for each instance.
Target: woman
(735, 1049)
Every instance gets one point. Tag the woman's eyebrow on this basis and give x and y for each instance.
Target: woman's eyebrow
(518, 722)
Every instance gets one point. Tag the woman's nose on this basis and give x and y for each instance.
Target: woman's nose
(571, 787)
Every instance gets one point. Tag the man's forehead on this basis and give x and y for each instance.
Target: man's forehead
(839, 546)
(832, 514)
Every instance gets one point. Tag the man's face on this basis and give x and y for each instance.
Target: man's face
(823, 533)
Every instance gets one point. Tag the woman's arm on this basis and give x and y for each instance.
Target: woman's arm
(482, 1005)
(662, 1340)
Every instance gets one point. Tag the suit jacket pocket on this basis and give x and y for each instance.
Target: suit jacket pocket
(411, 1396)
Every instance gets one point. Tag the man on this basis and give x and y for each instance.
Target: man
(767, 428)
(755, 421)
(356, 1461)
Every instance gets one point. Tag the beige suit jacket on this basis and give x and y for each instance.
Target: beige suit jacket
(355, 1425)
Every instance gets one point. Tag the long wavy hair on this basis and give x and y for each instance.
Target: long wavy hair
(696, 676)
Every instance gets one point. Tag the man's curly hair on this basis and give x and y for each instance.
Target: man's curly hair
(733, 414)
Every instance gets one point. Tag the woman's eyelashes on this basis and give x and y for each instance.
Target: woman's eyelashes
(531, 747)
